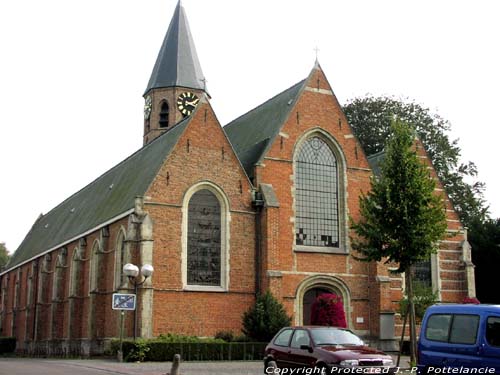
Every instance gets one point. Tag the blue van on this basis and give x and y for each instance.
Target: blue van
(460, 336)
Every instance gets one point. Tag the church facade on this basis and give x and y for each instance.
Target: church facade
(222, 214)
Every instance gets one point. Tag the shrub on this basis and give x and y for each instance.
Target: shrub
(162, 350)
(139, 352)
(328, 310)
(471, 300)
(262, 321)
(423, 297)
(227, 336)
(7, 344)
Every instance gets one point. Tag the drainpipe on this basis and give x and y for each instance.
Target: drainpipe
(35, 299)
(258, 204)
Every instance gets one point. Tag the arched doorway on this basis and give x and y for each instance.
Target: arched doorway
(310, 288)
(309, 298)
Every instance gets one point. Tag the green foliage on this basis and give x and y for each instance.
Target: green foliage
(171, 337)
(7, 345)
(163, 350)
(265, 318)
(401, 217)
(484, 238)
(226, 336)
(139, 352)
(4, 255)
(370, 117)
(423, 297)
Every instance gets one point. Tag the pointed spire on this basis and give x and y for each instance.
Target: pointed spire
(177, 62)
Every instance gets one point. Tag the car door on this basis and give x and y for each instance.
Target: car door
(281, 349)
(490, 348)
(301, 357)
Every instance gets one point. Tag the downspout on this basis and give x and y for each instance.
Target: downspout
(35, 300)
(258, 204)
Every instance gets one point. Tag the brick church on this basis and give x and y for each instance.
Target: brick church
(222, 213)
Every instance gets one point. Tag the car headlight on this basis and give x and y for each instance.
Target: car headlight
(349, 362)
(388, 362)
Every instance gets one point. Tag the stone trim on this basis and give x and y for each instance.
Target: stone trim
(328, 282)
(225, 236)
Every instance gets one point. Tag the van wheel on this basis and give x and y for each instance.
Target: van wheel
(270, 366)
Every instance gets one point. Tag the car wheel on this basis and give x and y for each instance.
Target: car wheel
(269, 367)
(323, 369)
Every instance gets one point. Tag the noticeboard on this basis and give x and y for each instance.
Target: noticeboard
(122, 301)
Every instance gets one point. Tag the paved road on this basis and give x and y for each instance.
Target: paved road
(31, 366)
(28, 366)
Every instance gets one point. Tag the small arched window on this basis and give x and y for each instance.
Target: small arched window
(94, 267)
(76, 274)
(164, 115)
(316, 195)
(121, 258)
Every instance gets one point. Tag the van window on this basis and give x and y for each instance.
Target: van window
(283, 338)
(464, 329)
(438, 326)
(493, 331)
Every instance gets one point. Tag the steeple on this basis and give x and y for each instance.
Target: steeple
(177, 62)
(177, 83)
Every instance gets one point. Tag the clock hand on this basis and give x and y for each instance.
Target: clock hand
(193, 103)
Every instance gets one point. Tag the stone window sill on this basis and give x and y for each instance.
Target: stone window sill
(319, 249)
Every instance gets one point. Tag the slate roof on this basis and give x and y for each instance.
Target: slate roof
(177, 63)
(105, 198)
(252, 134)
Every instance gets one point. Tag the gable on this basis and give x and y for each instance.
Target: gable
(203, 153)
(252, 133)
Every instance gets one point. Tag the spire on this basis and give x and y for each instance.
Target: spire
(177, 62)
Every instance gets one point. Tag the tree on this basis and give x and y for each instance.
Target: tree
(485, 241)
(4, 255)
(402, 219)
(370, 118)
(262, 321)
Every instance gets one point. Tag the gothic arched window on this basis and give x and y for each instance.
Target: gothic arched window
(317, 216)
(121, 258)
(164, 115)
(204, 239)
(94, 267)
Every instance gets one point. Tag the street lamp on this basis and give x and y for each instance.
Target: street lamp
(132, 272)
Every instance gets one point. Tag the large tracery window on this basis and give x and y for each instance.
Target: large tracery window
(316, 195)
(204, 263)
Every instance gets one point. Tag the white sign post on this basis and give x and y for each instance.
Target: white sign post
(122, 301)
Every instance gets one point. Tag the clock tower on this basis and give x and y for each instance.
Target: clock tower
(177, 82)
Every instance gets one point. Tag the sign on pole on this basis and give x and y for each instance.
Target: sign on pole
(122, 301)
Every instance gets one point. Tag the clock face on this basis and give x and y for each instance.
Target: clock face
(186, 102)
(147, 108)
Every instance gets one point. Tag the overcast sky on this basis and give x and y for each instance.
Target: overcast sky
(72, 75)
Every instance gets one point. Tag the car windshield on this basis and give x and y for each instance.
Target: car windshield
(333, 336)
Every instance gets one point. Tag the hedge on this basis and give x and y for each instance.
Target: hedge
(7, 344)
(157, 350)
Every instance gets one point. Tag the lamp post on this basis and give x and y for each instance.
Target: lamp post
(132, 272)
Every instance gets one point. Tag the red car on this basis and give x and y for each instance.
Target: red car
(336, 350)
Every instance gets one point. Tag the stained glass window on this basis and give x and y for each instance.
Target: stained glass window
(204, 240)
(316, 195)
(422, 273)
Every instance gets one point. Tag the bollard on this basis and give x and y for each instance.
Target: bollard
(175, 365)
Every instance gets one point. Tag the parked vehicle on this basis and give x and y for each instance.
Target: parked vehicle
(460, 336)
(323, 348)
